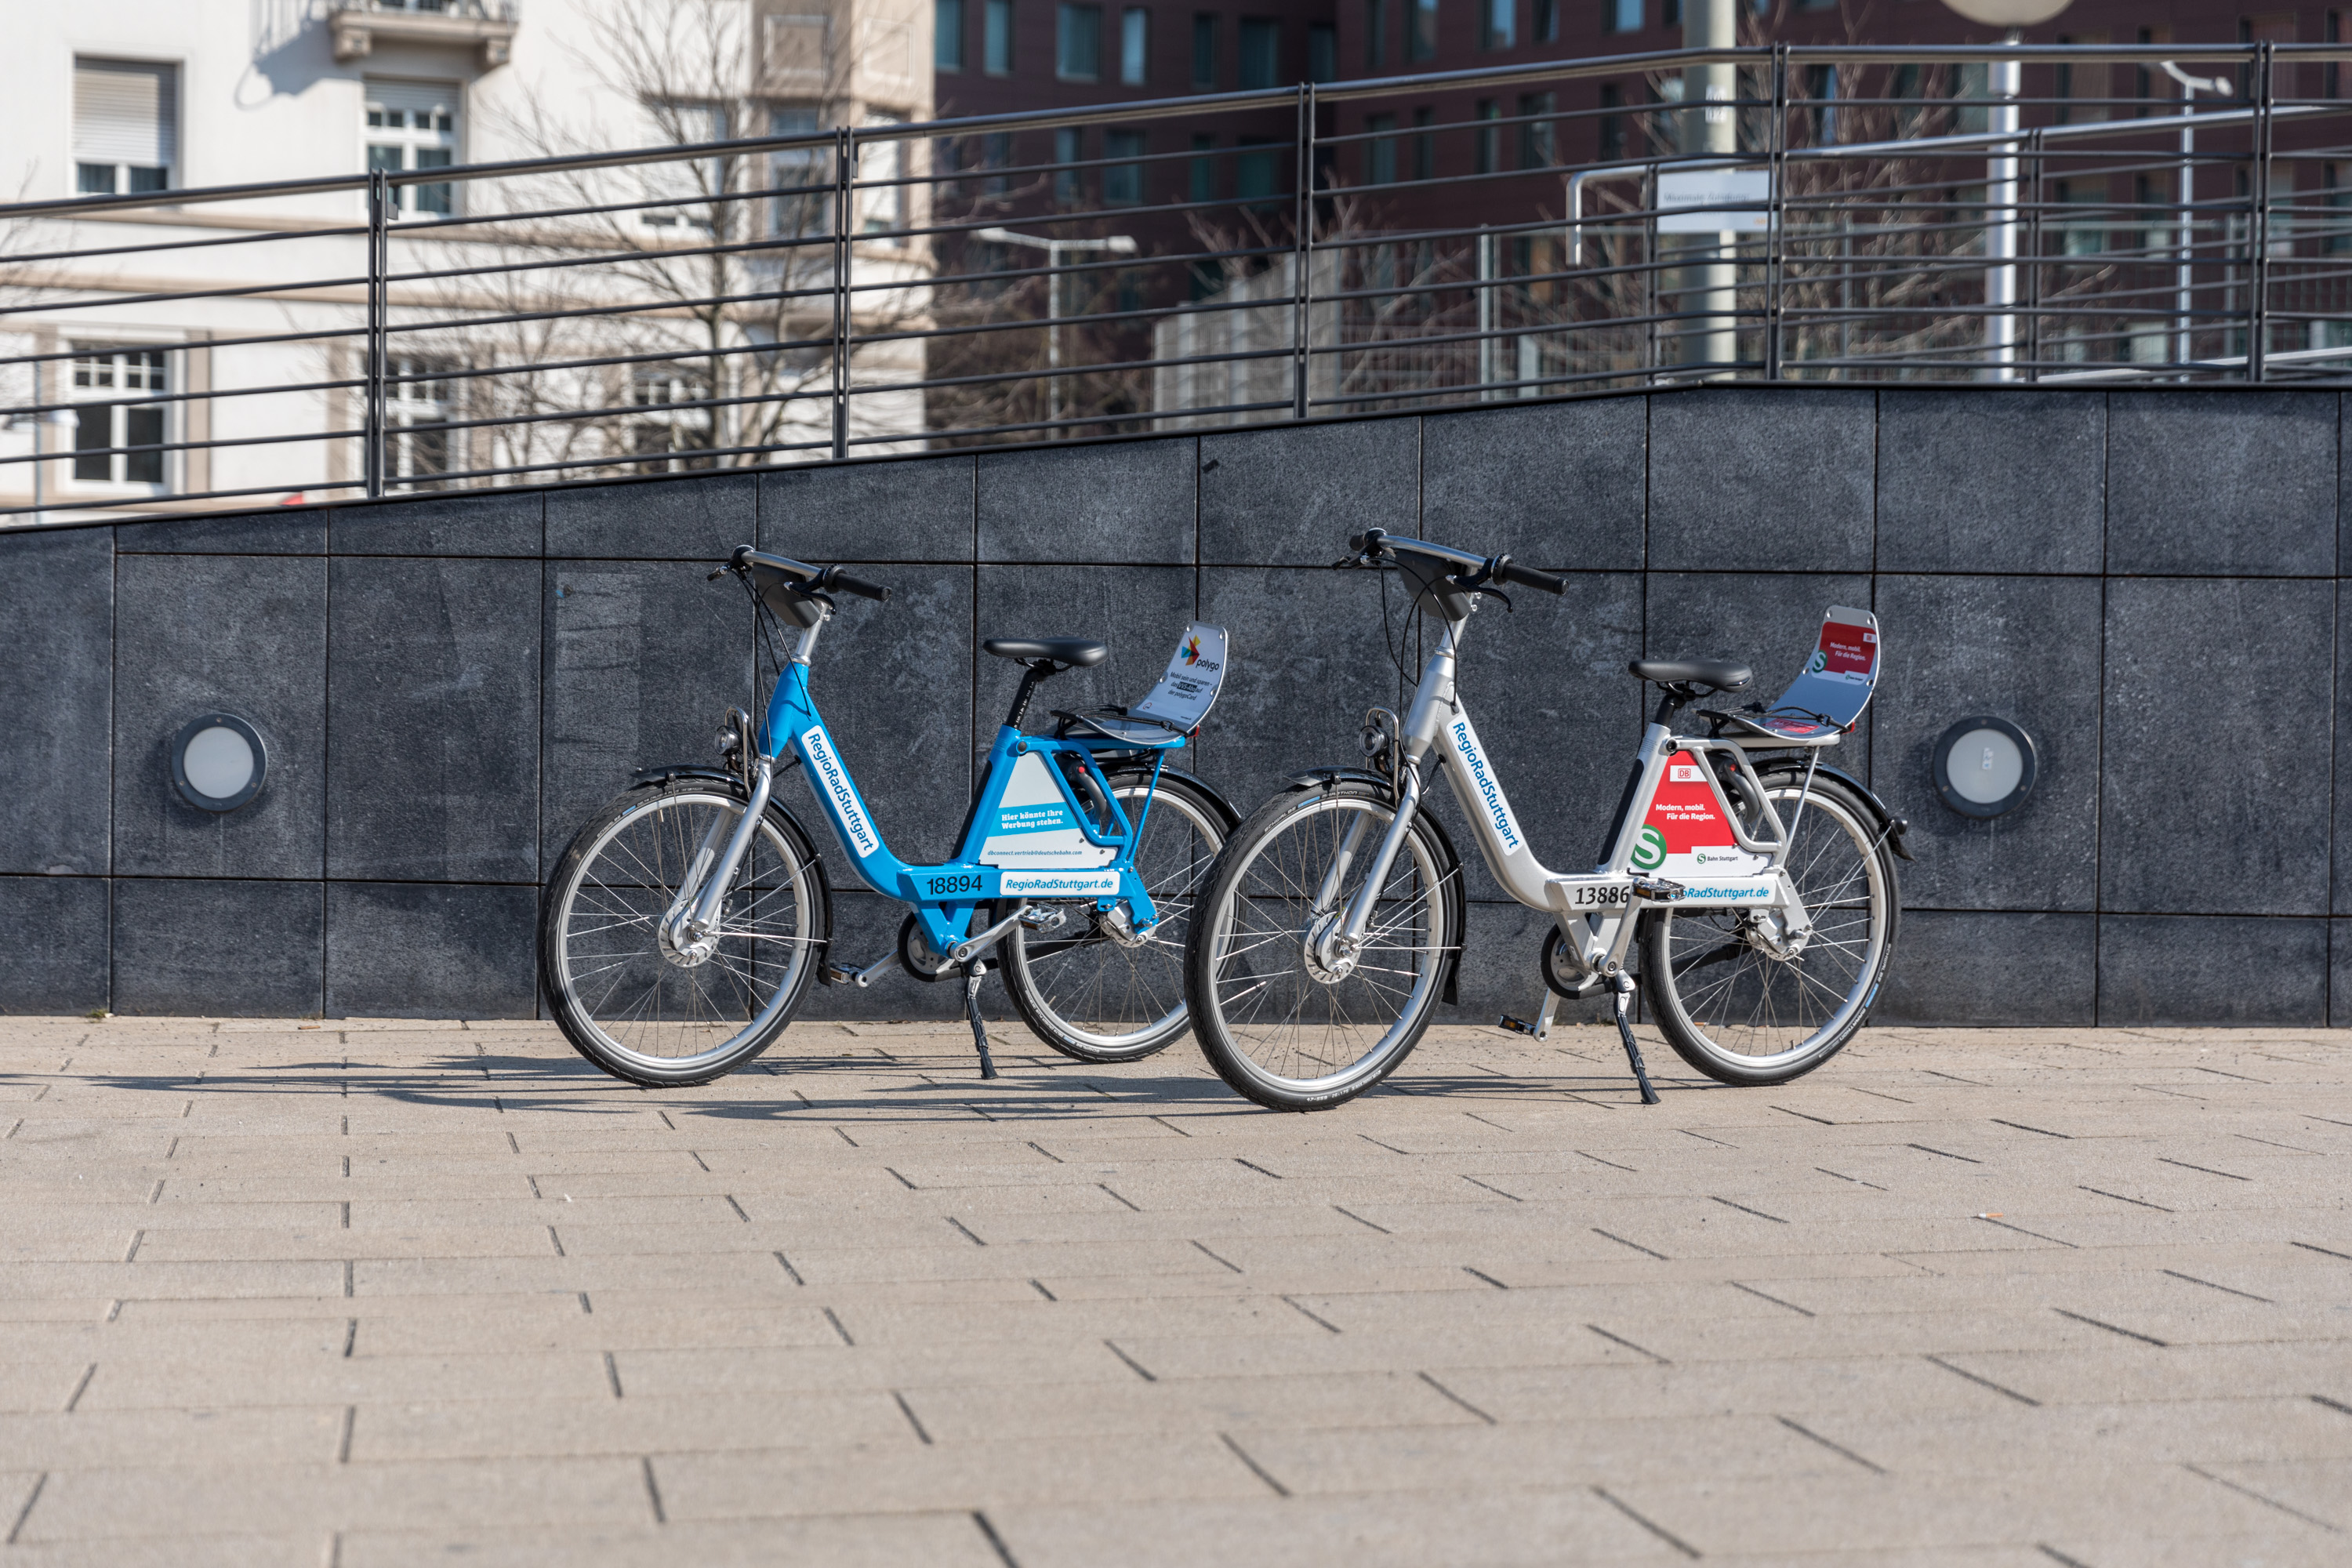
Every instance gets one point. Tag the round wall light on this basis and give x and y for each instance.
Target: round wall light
(1984, 767)
(218, 763)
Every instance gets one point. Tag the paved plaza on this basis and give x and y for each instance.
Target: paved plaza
(386, 1293)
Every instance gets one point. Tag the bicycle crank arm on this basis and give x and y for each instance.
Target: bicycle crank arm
(861, 978)
(966, 951)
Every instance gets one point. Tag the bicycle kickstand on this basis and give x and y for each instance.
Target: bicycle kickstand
(1623, 985)
(973, 974)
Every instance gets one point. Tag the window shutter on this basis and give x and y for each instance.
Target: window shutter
(126, 113)
(416, 96)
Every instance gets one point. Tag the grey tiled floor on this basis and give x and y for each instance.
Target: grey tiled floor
(382, 1294)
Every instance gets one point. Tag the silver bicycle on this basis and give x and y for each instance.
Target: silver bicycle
(1753, 888)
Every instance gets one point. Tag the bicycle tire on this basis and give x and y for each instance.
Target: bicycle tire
(1250, 906)
(1046, 975)
(1770, 1017)
(615, 991)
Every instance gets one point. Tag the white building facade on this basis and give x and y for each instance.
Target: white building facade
(185, 355)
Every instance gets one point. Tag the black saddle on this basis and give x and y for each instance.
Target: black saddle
(1075, 653)
(1716, 673)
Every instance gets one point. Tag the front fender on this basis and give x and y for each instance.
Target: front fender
(1457, 896)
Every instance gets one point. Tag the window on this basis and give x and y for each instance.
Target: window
(1422, 43)
(1670, 14)
(1123, 180)
(1077, 43)
(1069, 148)
(102, 374)
(1498, 22)
(1205, 169)
(666, 432)
(126, 127)
(1258, 173)
(1322, 52)
(946, 34)
(1425, 145)
(1134, 45)
(418, 405)
(1205, 51)
(997, 152)
(1535, 131)
(413, 125)
(1380, 153)
(881, 168)
(2337, 223)
(2083, 236)
(1490, 137)
(685, 186)
(800, 176)
(1822, 86)
(996, 46)
(1612, 125)
(1548, 21)
(1624, 15)
(1261, 53)
(1376, 35)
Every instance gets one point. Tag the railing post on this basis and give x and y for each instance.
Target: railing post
(2258, 272)
(2033, 259)
(2003, 80)
(844, 169)
(1302, 255)
(374, 368)
(1775, 245)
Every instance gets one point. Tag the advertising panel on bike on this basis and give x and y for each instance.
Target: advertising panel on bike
(1836, 683)
(1687, 836)
(1189, 688)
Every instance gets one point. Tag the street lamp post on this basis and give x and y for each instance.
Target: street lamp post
(2183, 278)
(2003, 81)
(1117, 244)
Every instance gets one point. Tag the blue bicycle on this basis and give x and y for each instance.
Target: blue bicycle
(686, 922)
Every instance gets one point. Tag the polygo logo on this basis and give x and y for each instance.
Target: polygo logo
(1193, 650)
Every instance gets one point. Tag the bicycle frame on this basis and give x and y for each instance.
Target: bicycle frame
(1028, 834)
(1596, 910)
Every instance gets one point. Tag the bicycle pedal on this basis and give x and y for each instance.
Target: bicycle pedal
(1657, 890)
(834, 974)
(1516, 1025)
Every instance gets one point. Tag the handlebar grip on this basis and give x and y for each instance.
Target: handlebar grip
(841, 582)
(1368, 540)
(1529, 577)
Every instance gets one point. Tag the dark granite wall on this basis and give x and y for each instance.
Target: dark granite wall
(2144, 581)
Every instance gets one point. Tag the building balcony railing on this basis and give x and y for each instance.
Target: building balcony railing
(485, 26)
(1963, 215)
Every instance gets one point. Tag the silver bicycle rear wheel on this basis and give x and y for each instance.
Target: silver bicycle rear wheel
(626, 996)
(1090, 988)
(1742, 999)
(1280, 1025)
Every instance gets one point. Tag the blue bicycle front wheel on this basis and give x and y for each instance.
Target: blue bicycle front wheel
(628, 992)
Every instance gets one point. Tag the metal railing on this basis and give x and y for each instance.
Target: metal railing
(2067, 216)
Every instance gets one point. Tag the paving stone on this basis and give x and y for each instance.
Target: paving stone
(378, 1291)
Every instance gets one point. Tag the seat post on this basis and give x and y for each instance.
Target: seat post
(1033, 671)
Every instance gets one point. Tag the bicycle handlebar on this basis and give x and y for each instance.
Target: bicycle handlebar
(804, 576)
(1372, 542)
(1508, 571)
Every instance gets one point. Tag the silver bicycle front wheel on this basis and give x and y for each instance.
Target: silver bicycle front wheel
(1747, 1000)
(626, 994)
(1091, 988)
(1282, 1023)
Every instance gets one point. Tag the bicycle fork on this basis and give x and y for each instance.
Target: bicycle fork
(691, 926)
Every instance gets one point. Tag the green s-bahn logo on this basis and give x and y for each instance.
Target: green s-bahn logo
(1650, 849)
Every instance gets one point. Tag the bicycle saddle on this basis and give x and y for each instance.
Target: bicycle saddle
(1079, 653)
(1719, 674)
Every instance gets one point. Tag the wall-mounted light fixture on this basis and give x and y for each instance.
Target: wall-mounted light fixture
(218, 763)
(1984, 767)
